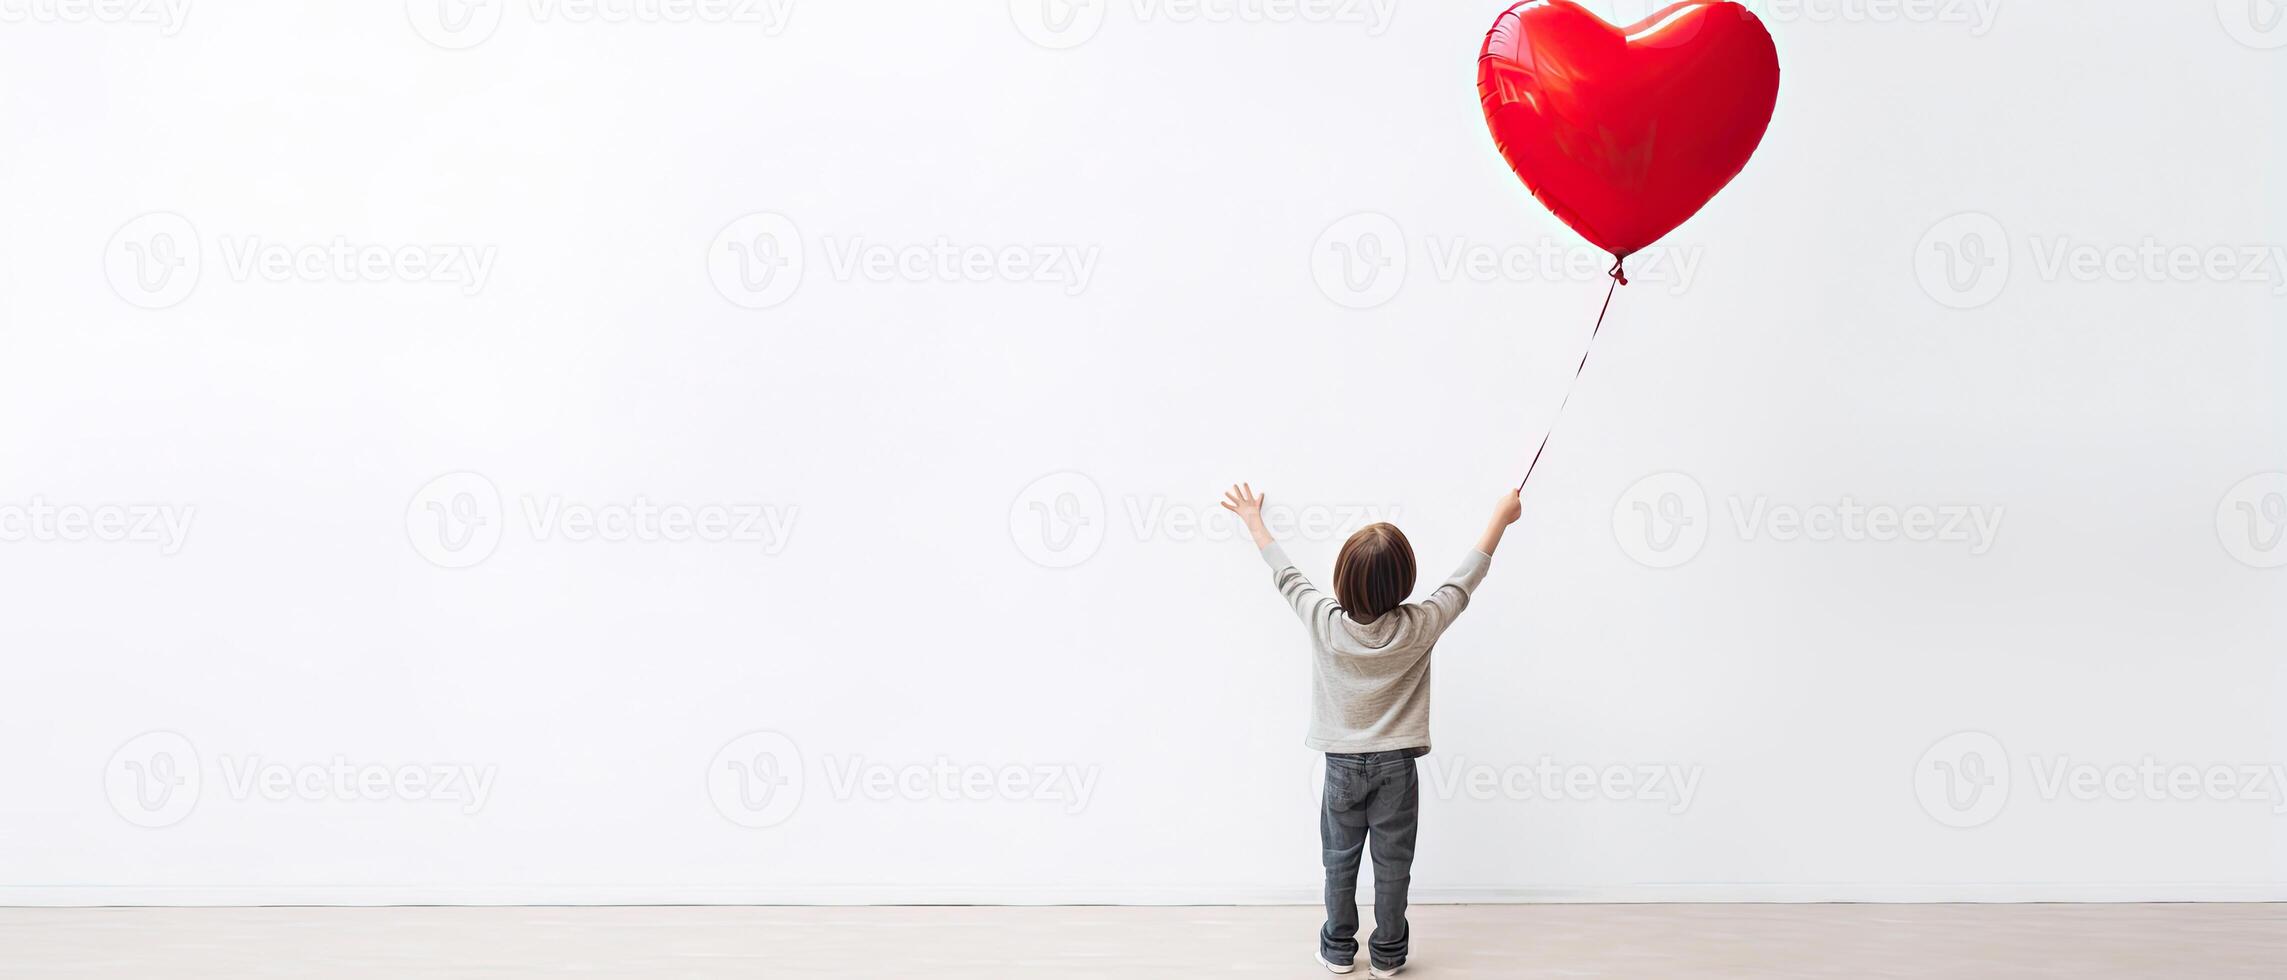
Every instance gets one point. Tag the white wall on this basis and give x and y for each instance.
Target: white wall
(911, 617)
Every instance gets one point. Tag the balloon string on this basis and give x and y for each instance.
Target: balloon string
(1619, 276)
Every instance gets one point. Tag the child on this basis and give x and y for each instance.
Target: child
(1370, 711)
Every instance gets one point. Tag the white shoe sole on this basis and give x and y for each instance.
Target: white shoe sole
(1333, 967)
(1379, 974)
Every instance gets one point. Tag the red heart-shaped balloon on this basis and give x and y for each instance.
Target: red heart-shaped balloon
(1627, 133)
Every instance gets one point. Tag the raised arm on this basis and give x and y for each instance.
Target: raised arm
(1505, 512)
(1447, 600)
(1313, 606)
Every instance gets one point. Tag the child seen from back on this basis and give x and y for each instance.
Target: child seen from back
(1370, 652)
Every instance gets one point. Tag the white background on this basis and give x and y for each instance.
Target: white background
(919, 613)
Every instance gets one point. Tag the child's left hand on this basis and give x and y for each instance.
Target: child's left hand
(1242, 500)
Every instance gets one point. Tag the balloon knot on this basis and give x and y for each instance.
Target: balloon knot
(1619, 270)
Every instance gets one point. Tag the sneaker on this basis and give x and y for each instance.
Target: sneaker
(1379, 972)
(1331, 966)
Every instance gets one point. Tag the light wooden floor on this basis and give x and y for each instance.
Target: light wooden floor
(1452, 941)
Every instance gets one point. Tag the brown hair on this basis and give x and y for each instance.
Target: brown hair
(1374, 572)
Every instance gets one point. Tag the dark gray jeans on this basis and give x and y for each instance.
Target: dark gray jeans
(1370, 799)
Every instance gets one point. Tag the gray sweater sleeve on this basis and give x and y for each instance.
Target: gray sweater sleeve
(1313, 606)
(1447, 602)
